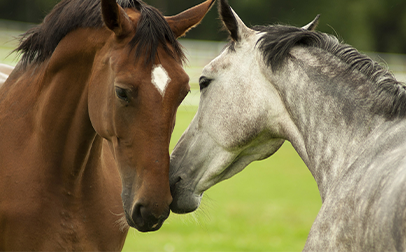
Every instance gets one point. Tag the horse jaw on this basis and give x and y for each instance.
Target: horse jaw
(198, 162)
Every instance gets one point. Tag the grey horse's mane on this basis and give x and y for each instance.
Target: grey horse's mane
(389, 95)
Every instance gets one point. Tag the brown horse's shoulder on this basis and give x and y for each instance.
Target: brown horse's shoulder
(65, 220)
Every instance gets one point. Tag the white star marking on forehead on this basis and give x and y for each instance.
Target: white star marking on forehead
(160, 78)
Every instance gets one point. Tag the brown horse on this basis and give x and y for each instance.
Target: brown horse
(88, 114)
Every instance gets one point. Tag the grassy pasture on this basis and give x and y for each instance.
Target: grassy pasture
(270, 206)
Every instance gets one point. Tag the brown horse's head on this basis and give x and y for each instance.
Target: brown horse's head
(134, 92)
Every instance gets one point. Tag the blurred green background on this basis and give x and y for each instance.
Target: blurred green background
(369, 25)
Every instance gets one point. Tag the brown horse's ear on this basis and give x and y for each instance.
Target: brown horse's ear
(183, 22)
(115, 18)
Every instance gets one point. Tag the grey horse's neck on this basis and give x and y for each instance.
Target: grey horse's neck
(331, 125)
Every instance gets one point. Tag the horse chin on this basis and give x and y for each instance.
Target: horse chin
(183, 204)
(146, 225)
(152, 228)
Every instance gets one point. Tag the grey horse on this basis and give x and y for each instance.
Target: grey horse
(343, 113)
(5, 71)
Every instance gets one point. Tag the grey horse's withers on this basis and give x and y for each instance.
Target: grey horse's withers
(343, 113)
(364, 209)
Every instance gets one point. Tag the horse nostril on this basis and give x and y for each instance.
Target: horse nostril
(137, 215)
(145, 221)
(178, 180)
(175, 182)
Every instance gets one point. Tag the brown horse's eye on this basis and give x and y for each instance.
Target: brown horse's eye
(122, 94)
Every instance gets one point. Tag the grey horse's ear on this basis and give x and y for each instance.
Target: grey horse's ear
(232, 21)
(312, 25)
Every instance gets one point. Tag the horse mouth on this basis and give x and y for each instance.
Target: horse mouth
(186, 203)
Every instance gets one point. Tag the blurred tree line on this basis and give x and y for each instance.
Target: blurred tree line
(369, 25)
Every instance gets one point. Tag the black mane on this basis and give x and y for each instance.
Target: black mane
(390, 94)
(38, 43)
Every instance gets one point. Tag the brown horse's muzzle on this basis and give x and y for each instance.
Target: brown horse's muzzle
(146, 206)
(145, 219)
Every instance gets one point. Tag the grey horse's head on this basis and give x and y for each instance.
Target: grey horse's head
(238, 120)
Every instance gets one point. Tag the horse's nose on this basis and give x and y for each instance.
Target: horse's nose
(145, 219)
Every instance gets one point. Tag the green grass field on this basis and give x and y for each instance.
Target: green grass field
(270, 206)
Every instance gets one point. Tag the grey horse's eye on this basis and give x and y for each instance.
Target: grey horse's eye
(204, 82)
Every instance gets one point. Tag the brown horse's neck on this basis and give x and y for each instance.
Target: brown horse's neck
(60, 117)
(70, 181)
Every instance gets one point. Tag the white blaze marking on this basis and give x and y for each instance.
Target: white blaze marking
(160, 78)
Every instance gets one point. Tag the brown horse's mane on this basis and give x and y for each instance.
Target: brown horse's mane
(38, 43)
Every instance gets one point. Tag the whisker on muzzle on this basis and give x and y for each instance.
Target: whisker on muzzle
(121, 222)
